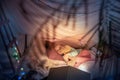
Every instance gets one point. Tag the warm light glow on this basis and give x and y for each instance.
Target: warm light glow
(63, 30)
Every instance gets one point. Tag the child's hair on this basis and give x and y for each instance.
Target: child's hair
(49, 45)
(63, 49)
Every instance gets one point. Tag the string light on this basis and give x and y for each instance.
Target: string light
(22, 73)
(21, 69)
(19, 78)
(18, 61)
(15, 54)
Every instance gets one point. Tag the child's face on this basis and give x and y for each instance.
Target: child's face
(62, 49)
(58, 48)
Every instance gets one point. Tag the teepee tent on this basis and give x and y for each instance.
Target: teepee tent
(29, 29)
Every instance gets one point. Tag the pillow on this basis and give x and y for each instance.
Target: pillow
(52, 54)
(82, 57)
(84, 53)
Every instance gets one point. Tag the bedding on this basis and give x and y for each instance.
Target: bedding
(87, 66)
(84, 60)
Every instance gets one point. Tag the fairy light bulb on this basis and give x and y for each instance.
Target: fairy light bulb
(21, 69)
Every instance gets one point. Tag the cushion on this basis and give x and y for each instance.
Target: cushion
(85, 53)
(52, 54)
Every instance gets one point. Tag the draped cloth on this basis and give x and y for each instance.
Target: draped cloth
(106, 71)
(48, 20)
(45, 20)
(30, 16)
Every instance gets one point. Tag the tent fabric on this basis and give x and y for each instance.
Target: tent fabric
(106, 71)
(55, 20)
(36, 15)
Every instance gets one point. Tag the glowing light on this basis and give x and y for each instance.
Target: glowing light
(19, 78)
(21, 69)
(22, 73)
(63, 30)
(15, 48)
(18, 61)
(16, 58)
(15, 54)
